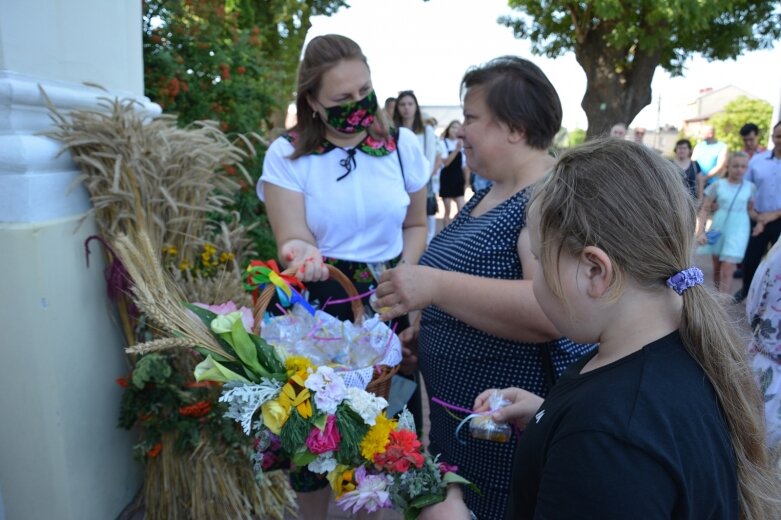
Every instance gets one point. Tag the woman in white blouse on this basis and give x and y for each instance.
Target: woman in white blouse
(341, 188)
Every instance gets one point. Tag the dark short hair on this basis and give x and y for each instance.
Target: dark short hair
(518, 94)
(679, 142)
(749, 128)
(390, 100)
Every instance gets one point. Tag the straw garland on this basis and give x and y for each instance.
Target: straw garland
(155, 187)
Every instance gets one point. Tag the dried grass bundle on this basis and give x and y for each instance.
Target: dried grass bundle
(208, 485)
(154, 175)
(159, 298)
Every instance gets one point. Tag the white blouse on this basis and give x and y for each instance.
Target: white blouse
(358, 218)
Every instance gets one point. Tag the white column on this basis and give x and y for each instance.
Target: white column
(61, 454)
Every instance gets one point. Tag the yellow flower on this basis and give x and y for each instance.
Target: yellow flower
(289, 398)
(296, 364)
(275, 415)
(341, 479)
(226, 257)
(170, 250)
(376, 438)
(185, 265)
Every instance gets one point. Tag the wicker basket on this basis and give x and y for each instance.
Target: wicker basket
(380, 383)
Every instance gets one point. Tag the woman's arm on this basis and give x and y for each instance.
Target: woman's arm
(703, 216)
(505, 308)
(414, 228)
(452, 155)
(296, 246)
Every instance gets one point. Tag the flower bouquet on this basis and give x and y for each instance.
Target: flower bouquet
(317, 418)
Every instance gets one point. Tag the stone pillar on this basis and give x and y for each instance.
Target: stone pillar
(61, 454)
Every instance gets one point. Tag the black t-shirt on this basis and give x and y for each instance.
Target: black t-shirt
(643, 437)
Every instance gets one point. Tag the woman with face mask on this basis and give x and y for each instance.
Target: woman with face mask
(341, 188)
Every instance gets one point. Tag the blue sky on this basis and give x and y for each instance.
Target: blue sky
(427, 46)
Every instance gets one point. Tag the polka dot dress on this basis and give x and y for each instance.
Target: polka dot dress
(458, 361)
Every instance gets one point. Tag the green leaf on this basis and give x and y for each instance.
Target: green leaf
(453, 478)
(294, 432)
(268, 357)
(211, 370)
(427, 500)
(302, 458)
(205, 315)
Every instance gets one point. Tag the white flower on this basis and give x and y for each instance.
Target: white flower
(328, 387)
(365, 404)
(244, 400)
(324, 463)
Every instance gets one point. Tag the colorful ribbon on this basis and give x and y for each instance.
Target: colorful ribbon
(472, 414)
(260, 274)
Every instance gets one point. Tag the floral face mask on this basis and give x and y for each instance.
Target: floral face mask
(354, 116)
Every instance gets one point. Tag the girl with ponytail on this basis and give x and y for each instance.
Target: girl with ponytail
(664, 419)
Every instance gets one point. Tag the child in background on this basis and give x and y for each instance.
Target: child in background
(733, 196)
(664, 419)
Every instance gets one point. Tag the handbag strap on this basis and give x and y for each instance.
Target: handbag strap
(729, 211)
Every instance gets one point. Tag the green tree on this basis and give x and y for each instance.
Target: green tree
(620, 43)
(736, 114)
(233, 61)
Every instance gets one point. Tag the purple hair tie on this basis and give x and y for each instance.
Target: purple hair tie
(685, 279)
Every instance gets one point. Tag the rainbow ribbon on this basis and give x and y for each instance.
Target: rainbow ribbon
(260, 274)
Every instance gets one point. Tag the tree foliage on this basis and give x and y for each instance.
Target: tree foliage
(619, 43)
(737, 113)
(233, 61)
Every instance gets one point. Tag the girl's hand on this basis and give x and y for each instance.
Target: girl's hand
(405, 288)
(305, 259)
(702, 239)
(758, 229)
(523, 405)
(452, 508)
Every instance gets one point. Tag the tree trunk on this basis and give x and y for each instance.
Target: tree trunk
(618, 82)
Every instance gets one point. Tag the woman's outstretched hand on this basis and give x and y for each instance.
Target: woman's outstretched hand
(405, 288)
(305, 259)
(523, 405)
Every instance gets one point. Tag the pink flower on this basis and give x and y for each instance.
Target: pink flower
(323, 441)
(367, 121)
(371, 493)
(226, 308)
(355, 117)
(447, 468)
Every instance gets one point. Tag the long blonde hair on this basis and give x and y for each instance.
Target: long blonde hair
(631, 203)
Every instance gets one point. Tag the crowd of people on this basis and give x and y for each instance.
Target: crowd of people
(564, 285)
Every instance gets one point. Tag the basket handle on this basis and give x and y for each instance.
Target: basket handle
(268, 293)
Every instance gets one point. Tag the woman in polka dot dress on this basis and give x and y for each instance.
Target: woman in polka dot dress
(481, 326)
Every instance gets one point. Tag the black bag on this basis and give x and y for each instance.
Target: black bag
(431, 204)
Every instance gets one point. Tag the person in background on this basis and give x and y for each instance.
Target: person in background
(341, 185)
(639, 135)
(733, 195)
(764, 316)
(389, 107)
(711, 155)
(407, 114)
(663, 420)
(764, 170)
(454, 174)
(618, 131)
(750, 135)
(481, 324)
(690, 169)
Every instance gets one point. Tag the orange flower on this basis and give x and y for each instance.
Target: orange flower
(198, 409)
(154, 451)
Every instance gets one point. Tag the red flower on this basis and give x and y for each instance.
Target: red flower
(230, 170)
(241, 70)
(123, 382)
(402, 450)
(198, 409)
(154, 451)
